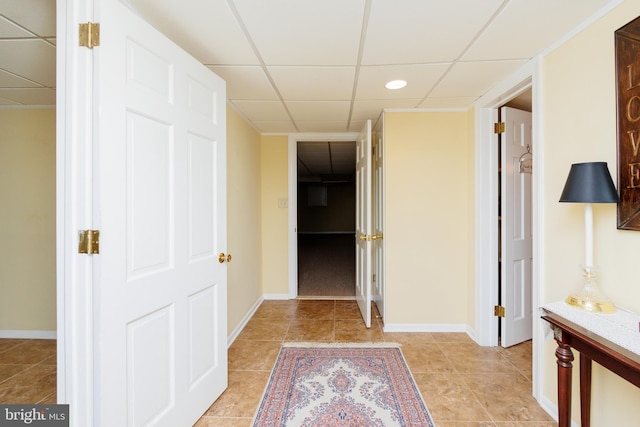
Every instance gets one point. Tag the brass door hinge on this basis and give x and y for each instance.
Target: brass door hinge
(89, 242)
(498, 311)
(498, 127)
(90, 34)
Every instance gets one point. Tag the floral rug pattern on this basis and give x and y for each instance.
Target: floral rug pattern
(341, 386)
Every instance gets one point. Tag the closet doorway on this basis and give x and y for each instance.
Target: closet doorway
(326, 209)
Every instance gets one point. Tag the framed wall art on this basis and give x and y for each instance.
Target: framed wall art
(627, 51)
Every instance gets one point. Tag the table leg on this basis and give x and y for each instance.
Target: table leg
(585, 390)
(565, 357)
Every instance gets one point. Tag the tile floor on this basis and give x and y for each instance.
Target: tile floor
(463, 385)
(27, 371)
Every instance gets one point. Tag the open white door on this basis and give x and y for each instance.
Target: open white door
(364, 224)
(157, 169)
(378, 218)
(516, 229)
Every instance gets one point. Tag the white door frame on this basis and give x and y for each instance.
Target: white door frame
(292, 235)
(486, 223)
(74, 212)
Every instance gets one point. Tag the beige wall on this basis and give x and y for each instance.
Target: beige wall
(243, 218)
(471, 220)
(27, 220)
(427, 238)
(579, 116)
(274, 182)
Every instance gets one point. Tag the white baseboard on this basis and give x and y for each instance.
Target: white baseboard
(236, 331)
(552, 409)
(427, 327)
(20, 334)
(275, 297)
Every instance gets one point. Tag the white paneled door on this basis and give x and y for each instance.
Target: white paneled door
(378, 291)
(364, 223)
(516, 228)
(159, 303)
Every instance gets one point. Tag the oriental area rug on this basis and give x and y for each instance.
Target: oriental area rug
(345, 385)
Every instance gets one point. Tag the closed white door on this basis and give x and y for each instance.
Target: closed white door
(516, 229)
(364, 224)
(159, 197)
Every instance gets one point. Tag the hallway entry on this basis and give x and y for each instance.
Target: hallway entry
(326, 265)
(326, 210)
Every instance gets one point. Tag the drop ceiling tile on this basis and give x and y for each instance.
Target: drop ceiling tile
(32, 59)
(10, 30)
(315, 110)
(318, 83)
(11, 80)
(322, 126)
(36, 96)
(526, 38)
(39, 16)
(246, 82)
(275, 126)
(363, 110)
(420, 31)
(343, 147)
(262, 110)
(444, 103)
(420, 80)
(294, 32)
(207, 30)
(308, 148)
(4, 101)
(358, 125)
(473, 79)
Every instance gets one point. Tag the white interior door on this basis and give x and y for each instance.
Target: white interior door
(364, 224)
(516, 229)
(160, 203)
(378, 219)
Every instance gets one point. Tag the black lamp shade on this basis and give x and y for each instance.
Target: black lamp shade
(589, 183)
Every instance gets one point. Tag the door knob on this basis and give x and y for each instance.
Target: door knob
(222, 257)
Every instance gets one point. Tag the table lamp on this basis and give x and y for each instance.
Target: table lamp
(590, 183)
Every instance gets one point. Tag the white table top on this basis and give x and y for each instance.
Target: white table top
(621, 327)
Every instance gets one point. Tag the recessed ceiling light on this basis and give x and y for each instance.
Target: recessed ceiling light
(395, 84)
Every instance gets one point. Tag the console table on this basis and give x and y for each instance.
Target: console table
(616, 358)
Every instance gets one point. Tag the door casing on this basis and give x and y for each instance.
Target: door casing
(292, 177)
(486, 227)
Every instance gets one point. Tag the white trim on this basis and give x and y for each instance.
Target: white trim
(552, 409)
(293, 196)
(238, 329)
(426, 110)
(427, 327)
(486, 228)
(276, 297)
(486, 244)
(537, 299)
(486, 191)
(29, 335)
(74, 162)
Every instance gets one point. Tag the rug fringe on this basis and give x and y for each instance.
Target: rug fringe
(311, 344)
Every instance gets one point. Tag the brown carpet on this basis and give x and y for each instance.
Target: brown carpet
(326, 265)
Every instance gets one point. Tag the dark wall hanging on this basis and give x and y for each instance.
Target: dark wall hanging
(627, 45)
